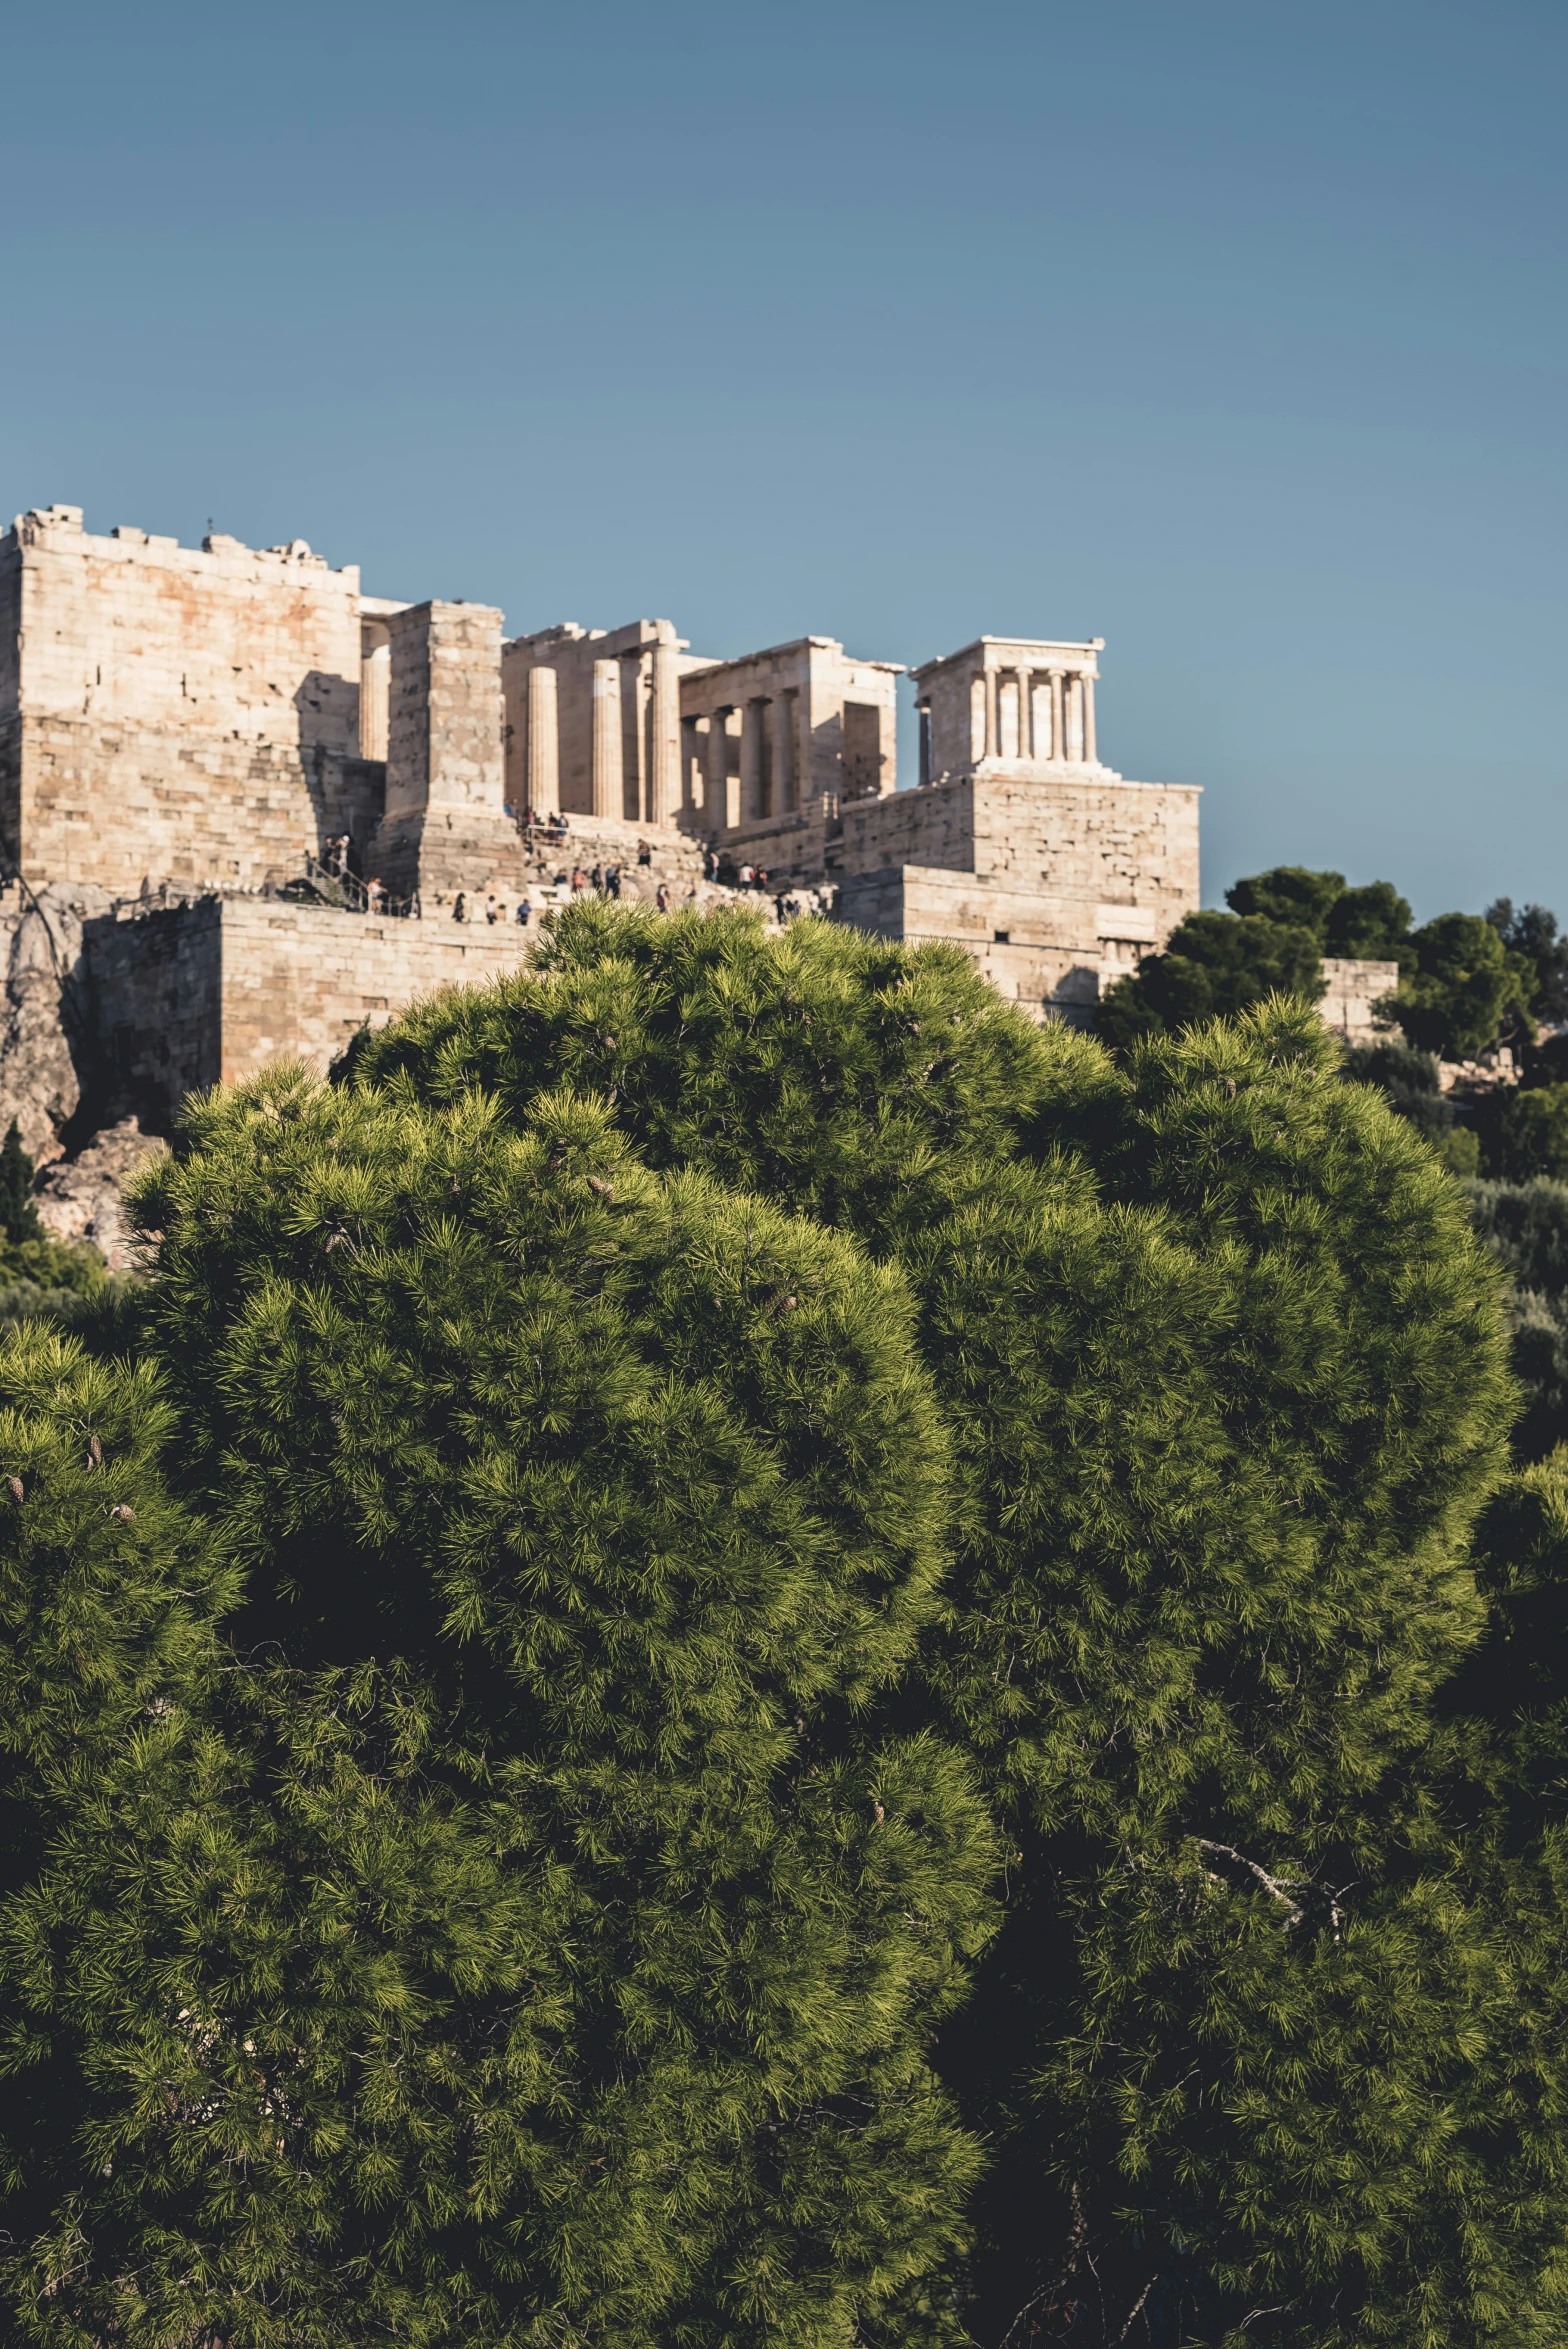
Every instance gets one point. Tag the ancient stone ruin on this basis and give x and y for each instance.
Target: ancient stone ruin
(190, 736)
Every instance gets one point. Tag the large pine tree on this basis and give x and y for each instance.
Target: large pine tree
(528, 1933)
(1227, 1388)
(682, 1418)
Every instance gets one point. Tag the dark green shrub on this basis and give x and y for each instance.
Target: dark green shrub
(1215, 964)
(1465, 990)
(544, 1943)
(1227, 1385)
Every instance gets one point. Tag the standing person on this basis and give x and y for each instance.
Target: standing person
(596, 879)
(375, 896)
(460, 907)
(644, 853)
(710, 862)
(490, 911)
(661, 898)
(612, 881)
(524, 913)
(579, 878)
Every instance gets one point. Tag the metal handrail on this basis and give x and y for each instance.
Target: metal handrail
(355, 895)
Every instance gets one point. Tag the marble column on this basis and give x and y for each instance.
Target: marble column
(754, 718)
(1074, 745)
(544, 744)
(1058, 716)
(1091, 755)
(993, 716)
(1025, 744)
(688, 765)
(375, 685)
(976, 718)
(717, 809)
(1040, 717)
(664, 776)
(607, 763)
(784, 752)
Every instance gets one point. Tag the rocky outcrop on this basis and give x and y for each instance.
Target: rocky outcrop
(45, 1024)
(79, 1198)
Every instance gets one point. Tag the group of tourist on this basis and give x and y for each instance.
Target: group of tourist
(724, 871)
(603, 880)
(554, 824)
(467, 907)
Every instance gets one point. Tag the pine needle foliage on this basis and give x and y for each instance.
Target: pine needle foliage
(1227, 1385)
(541, 1941)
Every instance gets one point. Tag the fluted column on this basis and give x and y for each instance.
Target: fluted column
(664, 777)
(1074, 744)
(718, 807)
(784, 753)
(375, 683)
(608, 776)
(688, 762)
(1091, 755)
(544, 743)
(1058, 715)
(1025, 714)
(993, 716)
(753, 720)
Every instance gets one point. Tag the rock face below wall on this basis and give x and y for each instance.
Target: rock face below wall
(80, 1198)
(45, 1015)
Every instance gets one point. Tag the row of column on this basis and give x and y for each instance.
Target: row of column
(608, 760)
(768, 769)
(1069, 723)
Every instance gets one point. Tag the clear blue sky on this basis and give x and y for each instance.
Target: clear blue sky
(1233, 333)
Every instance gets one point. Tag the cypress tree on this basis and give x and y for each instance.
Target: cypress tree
(1227, 1385)
(18, 1215)
(539, 1938)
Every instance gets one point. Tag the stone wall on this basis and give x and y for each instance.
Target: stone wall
(1030, 948)
(446, 827)
(180, 713)
(1351, 990)
(211, 992)
(1092, 842)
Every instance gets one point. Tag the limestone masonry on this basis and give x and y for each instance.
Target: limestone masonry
(188, 735)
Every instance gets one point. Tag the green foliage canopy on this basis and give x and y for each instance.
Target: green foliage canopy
(1225, 1379)
(589, 1395)
(1465, 988)
(545, 1944)
(1216, 964)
